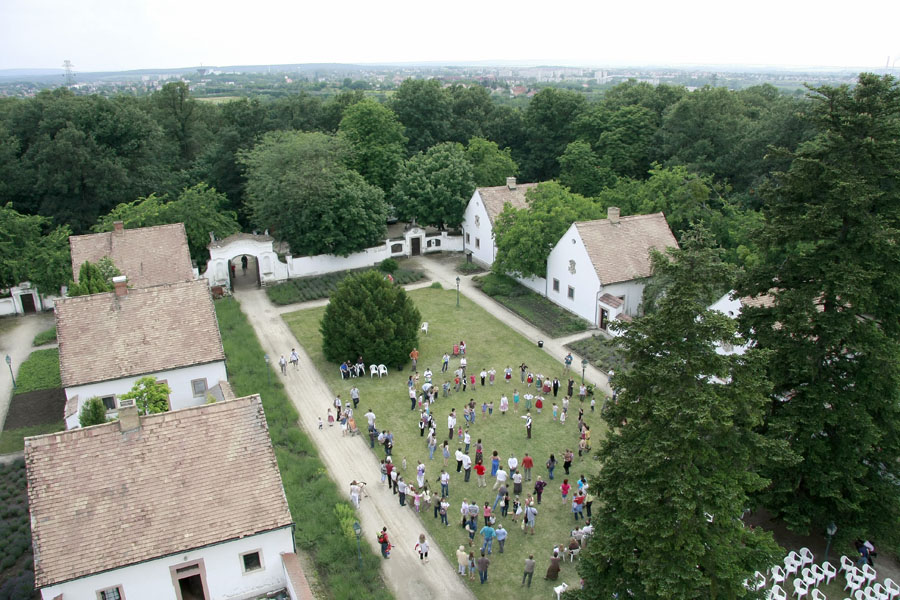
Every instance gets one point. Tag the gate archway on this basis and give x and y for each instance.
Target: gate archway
(263, 264)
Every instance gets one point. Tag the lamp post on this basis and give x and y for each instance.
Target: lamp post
(830, 530)
(268, 376)
(584, 364)
(357, 529)
(457, 292)
(9, 364)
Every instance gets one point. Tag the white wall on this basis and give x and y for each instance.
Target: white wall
(225, 579)
(270, 267)
(483, 232)
(13, 304)
(535, 284)
(632, 290)
(179, 381)
(584, 280)
(731, 307)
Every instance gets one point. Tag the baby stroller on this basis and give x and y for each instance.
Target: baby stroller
(455, 349)
(351, 426)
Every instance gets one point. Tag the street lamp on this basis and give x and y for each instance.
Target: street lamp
(357, 529)
(584, 364)
(268, 377)
(9, 364)
(457, 292)
(830, 530)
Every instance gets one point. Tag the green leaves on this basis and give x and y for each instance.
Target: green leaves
(30, 250)
(434, 187)
(150, 396)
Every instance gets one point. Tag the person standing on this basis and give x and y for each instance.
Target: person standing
(445, 484)
(459, 460)
(528, 423)
(500, 534)
(483, 564)
(513, 463)
(295, 359)
(527, 465)
(354, 395)
(553, 569)
(539, 486)
(422, 548)
(444, 507)
(570, 388)
(412, 398)
(401, 490)
(445, 362)
(354, 493)
(555, 386)
(282, 362)
(451, 423)
(523, 368)
(467, 467)
(530, 517)
(479, 474)
(567, 460)
(529, 570)
(551, 464)
(517, 483)
(414, 357)
(568, 361)
(462, 560)
(385, 544)
(488, 532)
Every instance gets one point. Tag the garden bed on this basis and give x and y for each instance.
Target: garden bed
(600, 352)
(305, 289)
(16, 559)
(40, 407)
(534, 308)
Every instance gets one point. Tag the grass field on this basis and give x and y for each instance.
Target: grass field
(490, 344)
(45, 337)
(40, 371)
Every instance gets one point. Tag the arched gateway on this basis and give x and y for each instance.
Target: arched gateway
(225, 266)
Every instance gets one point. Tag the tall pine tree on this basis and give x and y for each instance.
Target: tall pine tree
(682, 455)
(831, 245)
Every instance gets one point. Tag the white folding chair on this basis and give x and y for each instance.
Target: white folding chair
(777, 593)
(829, 570)
(373, 370)
(382, 370)
(806, 557)
(869, 573)
(425, 327)
(818, 595)
(892, 588)
(800, 588)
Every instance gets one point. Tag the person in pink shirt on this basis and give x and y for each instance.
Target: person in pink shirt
(564, 488)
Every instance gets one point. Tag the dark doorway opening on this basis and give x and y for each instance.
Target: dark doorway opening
(604, 318)
(28, 303)
(416, 246)
(191, 588)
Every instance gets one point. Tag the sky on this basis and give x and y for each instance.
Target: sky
(99, 35)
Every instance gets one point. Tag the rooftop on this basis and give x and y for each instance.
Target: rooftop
(147, 255)
(495, 198)
(101, 498)
(620, 251)
(147, 330)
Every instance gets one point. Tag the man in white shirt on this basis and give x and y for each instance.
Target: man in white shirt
(370, 417)
(501, 478)
(513, 463)
(467, 466)
(462, 365)
(459, 459)
(451, 424)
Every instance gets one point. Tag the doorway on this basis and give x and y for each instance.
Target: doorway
(191, 588)
(604, 318)
(416, 246)
(189, 580)
(28, 303)
(246, 272)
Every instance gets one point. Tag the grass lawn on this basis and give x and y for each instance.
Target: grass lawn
(45, 337)
(490, 344)
(13, 439)
(305, 289)
(534, 308)
(324, 534)
(40, 371)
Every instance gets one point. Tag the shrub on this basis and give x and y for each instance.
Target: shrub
(436, 285)
(45, 337)
(372, 318)
(388, 265)
(467, 267)
(92, 413)
(496, 284)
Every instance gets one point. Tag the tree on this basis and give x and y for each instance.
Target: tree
(490, 165)
(32, 250)
(550, 125)
(829, 258)
(94, 278)
(583, 171)
(93, 412)
(682, 454)
(201, 208)
(526, 236)
(471, 108)
(424, 109)
(371, 317)
(299, 187)
(376, 140)
(622, 137)
(434, 187)
(149, 395)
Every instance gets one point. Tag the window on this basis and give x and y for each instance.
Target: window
(251, 561)
(477, 243)
(109, 402)
(113, 593)
(571, 293)
(199, 387)
(555, 284)
(468, 239)
(437, 243)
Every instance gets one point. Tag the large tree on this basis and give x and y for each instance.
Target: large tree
(550, 125)
(371, 317)
(830, 264)
(526, 236)
(377, 144)
(32, 250)
(682, 454)
(425, 111)
(299, 187)
(490, 165)
(434, 187)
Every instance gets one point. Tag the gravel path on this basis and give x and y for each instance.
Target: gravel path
(348, 458)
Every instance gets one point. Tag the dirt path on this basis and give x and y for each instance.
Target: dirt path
(17, 345)
(348, 458)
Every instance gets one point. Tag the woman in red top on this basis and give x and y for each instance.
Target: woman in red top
(564, 488)
(479, 472)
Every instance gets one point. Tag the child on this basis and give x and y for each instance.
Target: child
(403, 464)
(472, 381)
(555, 411)
(330, 418)
(562, 418)
(483, 409)
(492, 374)
(530, 379)
(459, 434)
(528, 399)
(592, 403)
(539, 404)
(490, 408)
(422, 548)
(320, 423)
(564, 488)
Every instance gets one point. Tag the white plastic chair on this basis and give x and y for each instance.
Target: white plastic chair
(800, 588)
(792, 563)
(846, 563)
(818, 595)
(373, 370)
(778, 575)
(806, 557)
(808, 578)
(777, 593)
(869, 573)
(425, 327)
(382, 370)
(891, 587)
(855, 580)
(829, 571)
(817, 573)
(755, 583)
(879, 592)
(573, 554)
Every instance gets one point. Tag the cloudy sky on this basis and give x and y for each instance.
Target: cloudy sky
(132, 34)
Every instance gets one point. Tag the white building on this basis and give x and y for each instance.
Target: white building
(108, 341)
(597, 269)
(481, 211)
(731, 306)
(162, 507)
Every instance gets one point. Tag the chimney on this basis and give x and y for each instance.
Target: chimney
(121, 284)
(612, 213)
(129, 420)
(118, 227)
(511, 183)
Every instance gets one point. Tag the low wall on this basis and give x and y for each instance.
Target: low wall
(7, 307)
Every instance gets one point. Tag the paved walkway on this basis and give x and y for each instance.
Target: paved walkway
(17, 345)
(348, 458)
